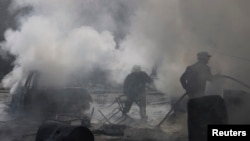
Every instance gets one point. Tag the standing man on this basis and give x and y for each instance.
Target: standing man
(194, 79)
(134, 89)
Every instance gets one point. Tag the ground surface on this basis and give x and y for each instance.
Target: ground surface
(24, 128)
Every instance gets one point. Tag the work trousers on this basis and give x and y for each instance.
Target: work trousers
(141, 102)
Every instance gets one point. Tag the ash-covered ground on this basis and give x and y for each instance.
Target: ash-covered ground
(23, 128)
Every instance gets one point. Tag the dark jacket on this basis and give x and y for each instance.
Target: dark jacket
(195, 77)
(135, 83)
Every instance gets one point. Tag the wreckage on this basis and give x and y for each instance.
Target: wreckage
(46, 101)
(50, 108)
(59, 113)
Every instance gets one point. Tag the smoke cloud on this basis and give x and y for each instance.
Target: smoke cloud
(221, 27)
(64, 38)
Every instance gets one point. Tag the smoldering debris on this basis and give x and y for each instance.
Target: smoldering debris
(106, 132)
(76, 38)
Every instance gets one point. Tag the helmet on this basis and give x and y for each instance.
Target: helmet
(136, 68)
(203, 55)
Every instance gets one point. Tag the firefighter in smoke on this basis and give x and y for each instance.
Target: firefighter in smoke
(134, 89)
(194, 79)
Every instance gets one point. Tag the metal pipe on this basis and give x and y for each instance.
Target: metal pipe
(177, 102)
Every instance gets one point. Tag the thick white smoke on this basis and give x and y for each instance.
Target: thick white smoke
(41, 45)
(63, 38)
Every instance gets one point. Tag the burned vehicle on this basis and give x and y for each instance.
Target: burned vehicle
(32, 99)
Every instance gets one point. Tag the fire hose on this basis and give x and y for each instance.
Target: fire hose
(236, 80)
(177, 102)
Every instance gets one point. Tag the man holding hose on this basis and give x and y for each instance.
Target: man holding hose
(194, 79)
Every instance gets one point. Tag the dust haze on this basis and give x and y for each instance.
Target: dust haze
(72, 38)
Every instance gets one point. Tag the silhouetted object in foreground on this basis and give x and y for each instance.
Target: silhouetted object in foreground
(55, 131)
(203, 111)
(134, 89)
